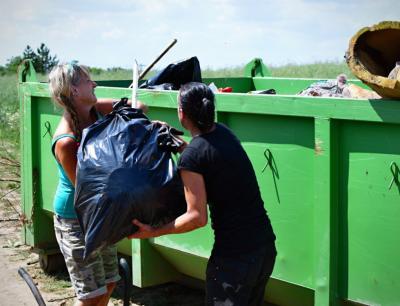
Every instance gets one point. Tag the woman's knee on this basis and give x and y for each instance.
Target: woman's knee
(111, 286)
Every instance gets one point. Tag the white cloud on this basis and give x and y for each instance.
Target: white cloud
(220, 32)
(113, 33)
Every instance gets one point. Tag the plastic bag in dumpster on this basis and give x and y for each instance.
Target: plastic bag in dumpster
(125, 171)
(176, 74)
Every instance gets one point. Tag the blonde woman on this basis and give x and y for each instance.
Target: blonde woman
(72, 88)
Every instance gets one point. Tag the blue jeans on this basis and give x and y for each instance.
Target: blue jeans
(239, 280)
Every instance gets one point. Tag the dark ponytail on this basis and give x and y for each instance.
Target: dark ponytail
(197, 102)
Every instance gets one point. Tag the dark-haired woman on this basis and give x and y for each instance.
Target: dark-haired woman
(216, 170)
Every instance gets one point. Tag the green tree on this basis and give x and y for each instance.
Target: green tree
(44, 61)
(12, 63)
(29, 53)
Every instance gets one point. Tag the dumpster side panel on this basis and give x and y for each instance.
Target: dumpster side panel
(149, 267)
(27, 195)
(281, 150)
(39, 226)
(370, 213)
(48, 118)
(324, 167)
(283, 86)
(325, 211)
(198, 242)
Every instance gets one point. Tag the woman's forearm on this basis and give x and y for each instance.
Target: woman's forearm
(185, 223)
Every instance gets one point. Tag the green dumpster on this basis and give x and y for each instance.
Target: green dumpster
(328, 170)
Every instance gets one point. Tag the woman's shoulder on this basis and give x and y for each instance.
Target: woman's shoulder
(64, 140)
(222, 128)
(64, 136)
(225, 132)
(65, 143)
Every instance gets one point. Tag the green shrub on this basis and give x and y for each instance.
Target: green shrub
(9, 108)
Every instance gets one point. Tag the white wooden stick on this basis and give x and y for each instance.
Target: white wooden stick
(135, 79)
(147, 69)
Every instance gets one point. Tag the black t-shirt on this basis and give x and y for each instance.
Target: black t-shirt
(238, 217)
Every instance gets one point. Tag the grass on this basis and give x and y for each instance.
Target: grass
(235, 71)
(9, 106)
(55, 283)
(325, 70)
(10, 179)
(328, 70)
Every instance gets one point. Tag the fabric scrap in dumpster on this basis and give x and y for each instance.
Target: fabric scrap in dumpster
(338, 88)
(328, 88)
(177, 74)
(126, 171)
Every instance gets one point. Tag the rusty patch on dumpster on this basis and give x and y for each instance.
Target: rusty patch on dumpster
(23, 219)
(318, 147)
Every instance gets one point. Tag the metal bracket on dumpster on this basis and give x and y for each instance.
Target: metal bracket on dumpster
(271, 163)
(395, 172)
(26, 71)
(256, 68)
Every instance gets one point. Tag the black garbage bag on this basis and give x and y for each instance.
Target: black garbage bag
(175, 75)
(126, 171)
(164, 86)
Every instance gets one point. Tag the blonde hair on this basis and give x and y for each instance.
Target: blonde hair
(61, 79)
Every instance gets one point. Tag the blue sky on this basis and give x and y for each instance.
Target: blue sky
(221, 33)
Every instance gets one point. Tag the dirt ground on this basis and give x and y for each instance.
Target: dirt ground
(56, 289)
(14, 290)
